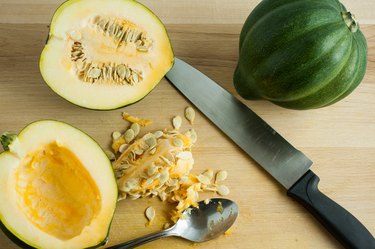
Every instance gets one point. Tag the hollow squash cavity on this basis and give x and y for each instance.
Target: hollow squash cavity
(55, 191)
(109, 51)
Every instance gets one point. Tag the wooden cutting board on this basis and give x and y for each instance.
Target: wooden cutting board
(340, 139)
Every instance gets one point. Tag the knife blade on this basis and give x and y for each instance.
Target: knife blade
(289, 166)
(279, 158)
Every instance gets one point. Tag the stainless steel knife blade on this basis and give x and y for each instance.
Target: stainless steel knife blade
(270, 150)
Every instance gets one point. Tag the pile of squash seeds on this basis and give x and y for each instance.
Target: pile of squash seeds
(159, 164)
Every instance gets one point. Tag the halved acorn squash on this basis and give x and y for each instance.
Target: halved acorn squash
(105, 54)
(57, 186)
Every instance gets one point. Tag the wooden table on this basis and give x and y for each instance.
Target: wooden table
(340, 139)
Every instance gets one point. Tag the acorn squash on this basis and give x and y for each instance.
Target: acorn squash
(300, 54)
(57, 186)
(105, 54)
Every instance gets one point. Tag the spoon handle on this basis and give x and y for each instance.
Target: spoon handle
(145, 239)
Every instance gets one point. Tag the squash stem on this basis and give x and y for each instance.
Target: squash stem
(6, 139)
(350, 21)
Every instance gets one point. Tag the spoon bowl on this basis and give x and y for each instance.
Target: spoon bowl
(199, 224)
(208, 221)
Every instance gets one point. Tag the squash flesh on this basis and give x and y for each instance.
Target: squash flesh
(55, 191)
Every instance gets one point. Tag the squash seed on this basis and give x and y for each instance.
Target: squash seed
(123, 166)
(176, 122)
(151, 169)
(152, 151)
(209, 174)
(221, 175)
(129, 135)
(211, 188)
(158, 134)
(178, 142)
(134, 79)
(138, 152)
(128, 74)
(203, 179)
(164, 176)
(151, 141)
(172, 132)
(121, 71)
(116, 135)
(168, 162)
(190, 114)
(123, 148)
(148, 182)
(222, 190)
(94, 73)
(170, 157)
(110, 155)
(150, 213)
(119, 173)
(147, 136)
(136, 128)
(192, 135)
(219, 207)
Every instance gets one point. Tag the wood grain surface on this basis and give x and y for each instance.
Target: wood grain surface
(169, 11)
(340, 139)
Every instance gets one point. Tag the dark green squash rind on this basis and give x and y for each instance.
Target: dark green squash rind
(6, 139)
(271, 66)
(361, 68)
(352, 73)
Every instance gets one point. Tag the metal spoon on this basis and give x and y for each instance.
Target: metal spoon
(203, 223)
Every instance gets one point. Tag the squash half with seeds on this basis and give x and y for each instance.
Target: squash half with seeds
(105, 54)
(57, 186)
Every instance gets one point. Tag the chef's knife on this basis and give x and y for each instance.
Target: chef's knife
(289, 166)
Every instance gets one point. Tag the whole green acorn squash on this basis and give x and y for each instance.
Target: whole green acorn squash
(300, 54)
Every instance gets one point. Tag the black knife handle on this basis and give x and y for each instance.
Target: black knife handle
(338, 221)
